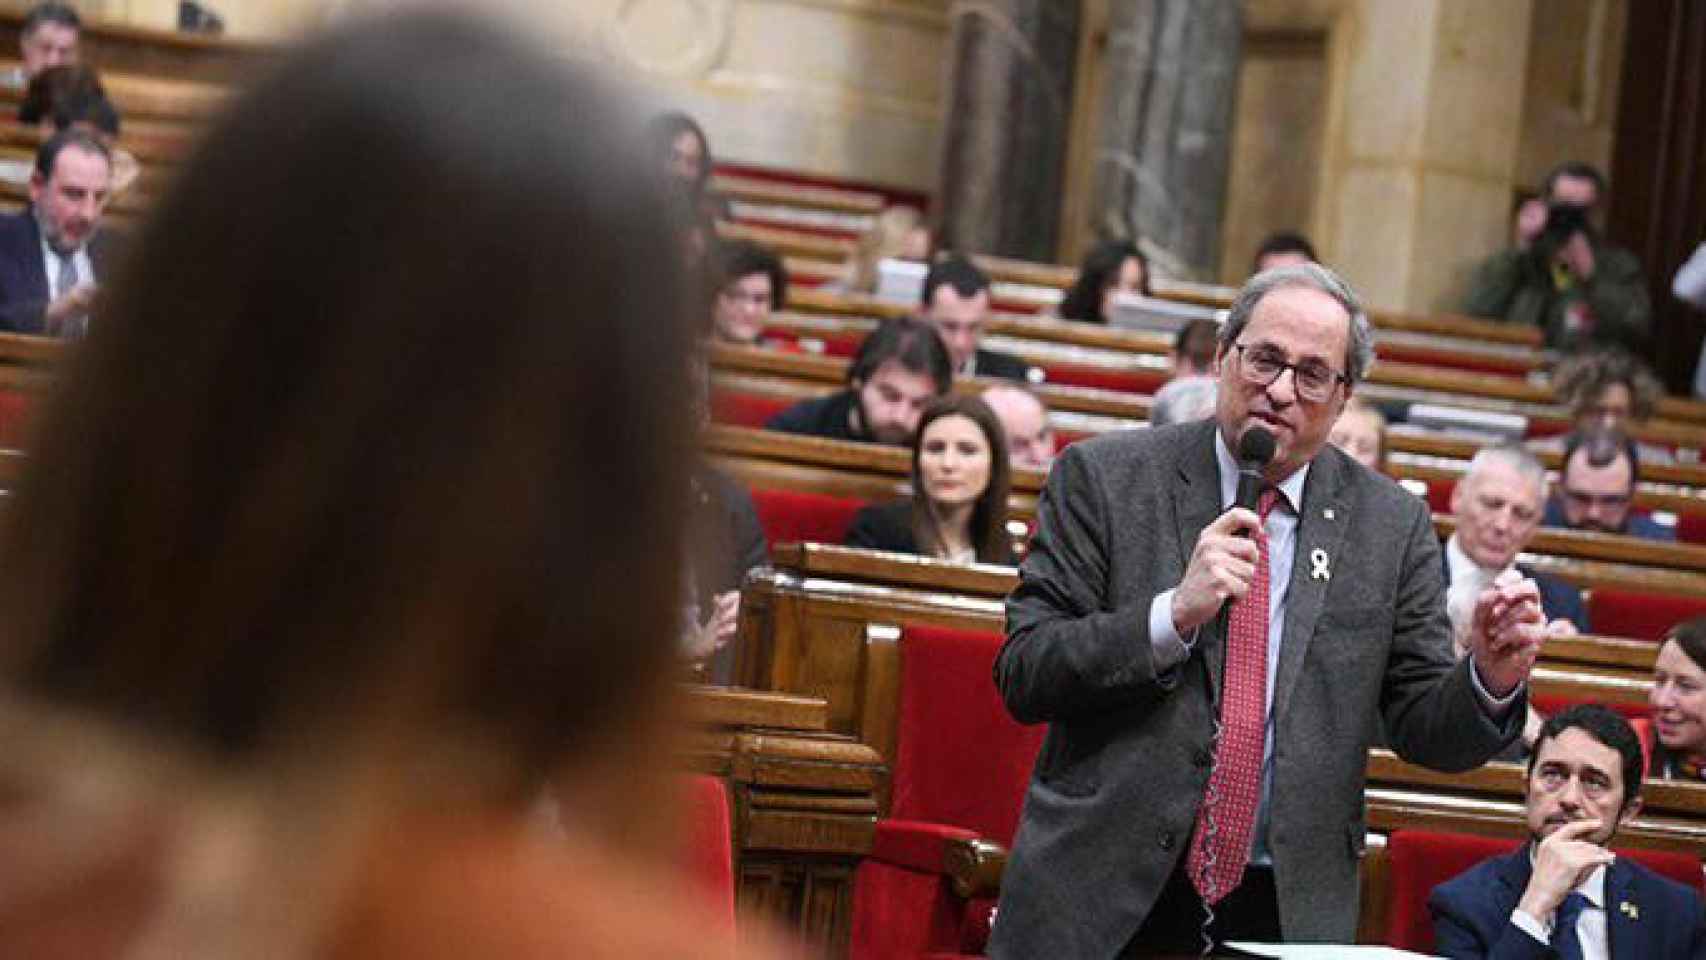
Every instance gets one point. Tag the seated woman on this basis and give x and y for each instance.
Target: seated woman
(749, 284)
(1678, 698)
(1113, 267)
(960, 478)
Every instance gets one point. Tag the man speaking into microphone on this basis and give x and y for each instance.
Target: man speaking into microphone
(1213, 662)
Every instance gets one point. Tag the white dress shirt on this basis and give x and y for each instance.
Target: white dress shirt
(1170, 649)
(79, 261)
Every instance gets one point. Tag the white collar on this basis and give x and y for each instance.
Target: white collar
(1461, 565)
(1291, 488)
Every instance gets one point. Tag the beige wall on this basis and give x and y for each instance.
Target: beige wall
(847, 88)
(1575, 59)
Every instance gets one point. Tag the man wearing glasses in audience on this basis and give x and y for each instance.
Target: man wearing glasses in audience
(1564, 894)
(1596, 488)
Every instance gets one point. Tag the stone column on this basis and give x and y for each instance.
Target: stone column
(1164, 129)
(1007, 110)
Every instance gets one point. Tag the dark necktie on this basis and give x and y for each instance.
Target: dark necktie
(1220, 849)
(64, 283)
(1564, 938)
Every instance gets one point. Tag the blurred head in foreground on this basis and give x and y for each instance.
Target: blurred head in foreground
(353, 503)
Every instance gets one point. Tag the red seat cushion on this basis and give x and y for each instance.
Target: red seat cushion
(948, 702)
(738, 409)
(1419, 860)
(1104, 378)
(15, 409)
(1548, 704)
(959, 771)
(1644, 616)
(792, 516)
(1691, 527)
(710, 853)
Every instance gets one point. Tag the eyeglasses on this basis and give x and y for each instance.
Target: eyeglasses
(1262, 366)
(1588, 500)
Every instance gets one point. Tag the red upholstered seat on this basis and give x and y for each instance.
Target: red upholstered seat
(791, 516)
(1439, 496)
(1419, 860)
(959, 772)
(1548, 704)
(1645, 616)
(710, 853)
(1644, 729)
(15, 410)
(1691, 527)
(737, 409)
(1104, 378)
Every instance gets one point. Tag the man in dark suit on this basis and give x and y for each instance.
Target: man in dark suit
(51, 256)
(900, 367)
(1498, 505)
(1564, 894)
(956, 301)
(1195, 758)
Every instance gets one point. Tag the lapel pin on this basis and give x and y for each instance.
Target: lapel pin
(1318, 565)
(1329, 513)
(1630, 910)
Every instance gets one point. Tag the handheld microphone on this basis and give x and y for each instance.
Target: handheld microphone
(1255, 449)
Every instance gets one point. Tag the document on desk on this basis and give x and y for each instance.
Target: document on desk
(1319, 951)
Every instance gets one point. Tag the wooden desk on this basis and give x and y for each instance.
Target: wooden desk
(804, 805)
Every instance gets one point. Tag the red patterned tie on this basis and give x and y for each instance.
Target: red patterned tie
(1220, 848)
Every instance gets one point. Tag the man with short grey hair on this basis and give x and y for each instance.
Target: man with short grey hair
(1498, 505)
(1211, 642)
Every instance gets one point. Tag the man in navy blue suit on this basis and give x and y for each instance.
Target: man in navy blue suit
(1564, 894)
(50, 254)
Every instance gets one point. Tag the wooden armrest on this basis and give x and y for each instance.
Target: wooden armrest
(975, 866)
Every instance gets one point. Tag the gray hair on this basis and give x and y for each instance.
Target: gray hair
(1185, 400)
(1513, 455)
(1359, 352)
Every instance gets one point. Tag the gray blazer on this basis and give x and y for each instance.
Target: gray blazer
(1113, 797)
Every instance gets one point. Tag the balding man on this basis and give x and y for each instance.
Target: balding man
(1030, 439)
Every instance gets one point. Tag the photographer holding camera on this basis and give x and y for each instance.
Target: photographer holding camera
(1560, 276)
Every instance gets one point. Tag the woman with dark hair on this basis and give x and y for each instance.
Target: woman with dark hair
(1678, 699)
(685, 153)
(342, 544)
(960, 479)
(1116, 266)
